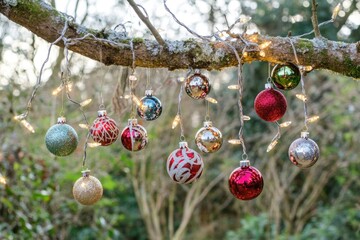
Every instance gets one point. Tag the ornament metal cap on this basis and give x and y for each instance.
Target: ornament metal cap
(132, 121)
(268, 85)
(61, 120)
(244, 163)
(305, 135)
(102, 113)
(148, 92)
(85, 173)
(197, 71)
(183, 144)
(208, 124)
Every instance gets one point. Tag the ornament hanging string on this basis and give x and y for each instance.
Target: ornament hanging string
(302, 70)
(240, 90)
(24, 115)
(132, 79)
(207, 116)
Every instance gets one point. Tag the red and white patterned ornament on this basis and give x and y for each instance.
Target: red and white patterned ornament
(104, 129)
(134, 136)
(184, 165)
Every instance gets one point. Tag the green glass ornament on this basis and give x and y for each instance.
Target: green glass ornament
(286, 77)
(61, 139)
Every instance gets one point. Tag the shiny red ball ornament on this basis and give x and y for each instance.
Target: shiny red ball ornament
(270, 104)
(246, 182)
(134, 136)
(184, 165)
(104, 129)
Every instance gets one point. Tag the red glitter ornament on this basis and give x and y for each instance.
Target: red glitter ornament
(270, 104)
(134, 136)
(246, 182)
(104, 129)
(184, 165)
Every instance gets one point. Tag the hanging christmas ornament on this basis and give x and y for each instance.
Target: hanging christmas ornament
(150, 107)
(285, 77)
(134, 136)
(61, 139)
(87, 190)
(104, 129)
(208, 138)
(246, 182)
(270, 104)
(197, 86)
(304, 152)
(184, 165)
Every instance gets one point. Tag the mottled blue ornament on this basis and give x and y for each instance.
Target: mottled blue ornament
(61, 139)
(150, 107)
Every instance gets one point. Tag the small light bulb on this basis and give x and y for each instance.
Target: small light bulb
(234, 87)
(271, 145)
(246, 118)
(244, 19)
(264, 45)
(245, 54)
(132, 78)
(180, 79)
(69, 86)
(57, 90)
(336, 11)
(234, 141)
(86, 102)
(262, 53)
(19, 117)
(94, 144)
(2, 180)
(84, 126)
(302, 97)
(285, 124)
(211, 100)
(312, 119)
(136, 101)
(308, 68)
(27, 125)
(176, 121)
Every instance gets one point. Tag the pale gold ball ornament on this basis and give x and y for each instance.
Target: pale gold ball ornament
(87, 190)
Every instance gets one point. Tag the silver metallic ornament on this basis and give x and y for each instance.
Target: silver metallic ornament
(208, 138)
(197, 86)
(61, 139)
(304, 152)
(150, 107)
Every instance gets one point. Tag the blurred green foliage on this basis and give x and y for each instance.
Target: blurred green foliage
(37, 203)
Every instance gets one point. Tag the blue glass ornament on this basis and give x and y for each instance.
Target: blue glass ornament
(150, 107)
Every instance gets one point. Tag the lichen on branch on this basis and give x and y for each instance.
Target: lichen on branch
(112, 47)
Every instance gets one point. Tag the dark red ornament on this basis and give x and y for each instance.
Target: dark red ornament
(246, 182)
(270, 104)
(104, 129)
(134, 136)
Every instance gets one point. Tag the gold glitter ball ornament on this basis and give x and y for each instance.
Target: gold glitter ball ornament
(87, 190)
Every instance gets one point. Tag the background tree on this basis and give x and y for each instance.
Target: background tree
(139, 198)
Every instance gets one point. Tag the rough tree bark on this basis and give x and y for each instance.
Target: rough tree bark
(46, 22)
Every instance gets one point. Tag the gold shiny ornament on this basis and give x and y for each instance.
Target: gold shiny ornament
(197, 86)
(208, 138)
(87, 190)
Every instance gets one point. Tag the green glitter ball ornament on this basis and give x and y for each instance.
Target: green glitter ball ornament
(61, 139)
(286, 77)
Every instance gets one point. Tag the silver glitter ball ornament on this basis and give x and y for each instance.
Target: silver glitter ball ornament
(208, 138)
(197, 86)
(304, 152)
(61, 139)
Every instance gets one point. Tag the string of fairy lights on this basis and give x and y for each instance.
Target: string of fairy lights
(184, 165)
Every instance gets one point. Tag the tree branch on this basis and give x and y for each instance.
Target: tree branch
(147, 22)
(314, 19)
(47, 23)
